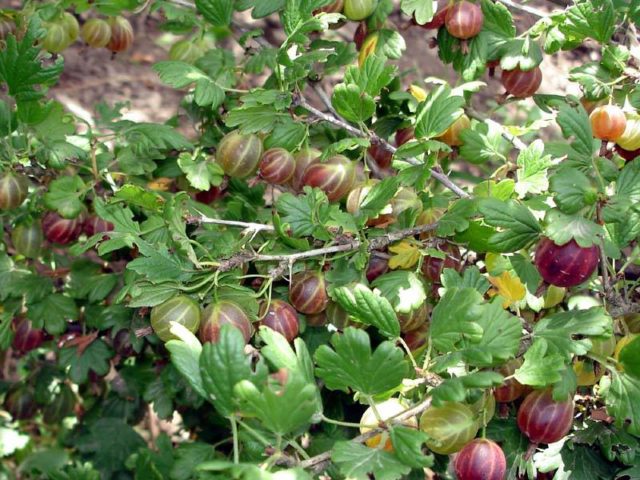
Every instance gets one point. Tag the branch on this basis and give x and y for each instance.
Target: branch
(250, 227)
(375, 139)
(290, 258)
(401, 417)
(524, 8)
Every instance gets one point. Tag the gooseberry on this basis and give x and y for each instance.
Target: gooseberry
(224, 313)
(61, 230)
(281, 317)
(13, 190)
(608, 122)
(542, 419)
(26, 338)
(452, 135)
(522, 83)
(450, 427)
(464, 20)
(335, 177)
(180, 309)
(121, 34)
(239, 154)
(359, 9)
(308, 292)
(96, 33)
(277, 166)
(303, 159)
(481, 459)
(511, 389)
(386, 410)
(565, 265)
(432, 266)
(27, 239)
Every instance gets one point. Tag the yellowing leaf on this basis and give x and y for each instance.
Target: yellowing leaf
(418, 93)
(509, 288)
(406, 254)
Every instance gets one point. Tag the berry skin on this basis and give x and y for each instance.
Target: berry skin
(450, 427)
(13, 190)
(481, 459)
(223, 313)
(565, 265)
(438, 19)
(180, 309)
(377, 266)
(336, 177)
(26, 338)
(121, 34)
(239, 154)
(94, 224)
(308, 293)
(628, 155)
(96, 33)
(520, 83)
(511, 389)
(61, 230)
(608, 122)
(451, 136)
(404, 135)
(380, 155)
(464, 20)
(387, 409)
(359, 9)
(280, 317)
(303, 159)
(27, 239)
(277, 166)
(56, 39)
(432, 267)
(544, 420)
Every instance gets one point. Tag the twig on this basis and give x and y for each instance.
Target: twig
(401, 417)
(375, 139)
(524, 8)
(253, 227)
(290, 258)
(322, 95)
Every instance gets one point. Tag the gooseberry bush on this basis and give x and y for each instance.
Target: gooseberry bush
(324, 265)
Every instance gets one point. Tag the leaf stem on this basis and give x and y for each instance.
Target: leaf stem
(234, 432)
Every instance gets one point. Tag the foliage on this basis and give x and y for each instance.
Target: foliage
(422, 219)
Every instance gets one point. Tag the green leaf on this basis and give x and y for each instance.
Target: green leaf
(456, 219)
(107, 455)
(185, 355)
(501, 334)
(350, 364)
(455, 389)
(532, 170)
(403, 289)
(438, 112)
(519, 226)
(559, 331)
(53, 312)
(279, 353)
(540, 367)
(202, 173)
(95, 357)
(305, 214)
(22, 70)
(372, 77)
(522, 53)
(498, 19)
(407, 445)
(282, 409)
(378, 197)
(352, 104)
(480, 145)
(563, 228)
(357, 461)
(590, 19)
(368, 307)
(420, 10)
(573, 190)
(224, 364)
(622, 401)
(629, 358)
(575, 125)
(133, 195)
(471, 278)
(218, 12)
(454, 317)
(65, 195)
